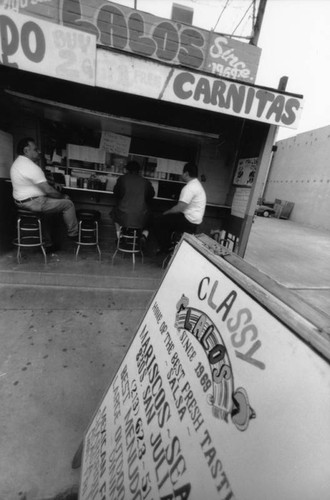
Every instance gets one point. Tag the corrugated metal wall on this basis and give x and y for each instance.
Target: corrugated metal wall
(300, 173)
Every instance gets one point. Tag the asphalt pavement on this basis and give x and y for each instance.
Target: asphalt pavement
(296, 256)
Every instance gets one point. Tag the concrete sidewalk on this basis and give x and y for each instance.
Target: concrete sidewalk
(59, 351)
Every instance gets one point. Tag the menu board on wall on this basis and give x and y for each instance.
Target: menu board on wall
(215, 398)
(115, 143)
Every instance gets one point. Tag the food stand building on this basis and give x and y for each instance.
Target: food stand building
(97, 83)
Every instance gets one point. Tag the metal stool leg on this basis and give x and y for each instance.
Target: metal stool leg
(134, 245)
(136, 248)
(41, 241)
(19, 256)
(97, 239)
(114, 255)
(175, 238)
(128, 243)
(117, 247)
(79, 240)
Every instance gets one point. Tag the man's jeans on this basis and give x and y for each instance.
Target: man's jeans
(47, 205)
(166, 224)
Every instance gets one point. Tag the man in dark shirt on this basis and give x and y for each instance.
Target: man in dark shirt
(133, 196)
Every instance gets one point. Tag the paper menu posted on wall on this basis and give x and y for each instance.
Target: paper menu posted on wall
(115, 143)
(210, 401)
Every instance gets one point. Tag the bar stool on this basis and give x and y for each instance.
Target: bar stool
(129, 243)
(88, 230)
(29, 232)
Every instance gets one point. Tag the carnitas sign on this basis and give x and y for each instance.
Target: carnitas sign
(151, 79)
(125, 29)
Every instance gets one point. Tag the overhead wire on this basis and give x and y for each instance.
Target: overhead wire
(247, 10)
(220, 15)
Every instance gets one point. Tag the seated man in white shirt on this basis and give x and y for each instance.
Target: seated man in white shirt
(31, 191)
(187, 214)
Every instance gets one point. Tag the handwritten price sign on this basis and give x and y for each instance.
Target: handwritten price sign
(46, 48)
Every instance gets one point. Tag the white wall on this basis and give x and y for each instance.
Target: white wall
(300, 172)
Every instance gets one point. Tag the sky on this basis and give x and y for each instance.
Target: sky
(295, 42)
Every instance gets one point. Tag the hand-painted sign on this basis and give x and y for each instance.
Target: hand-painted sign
(209, 401)
(157, 81)
(46, 48)
(227, 57)
(143, 34)
(232, 98)
(129, 74)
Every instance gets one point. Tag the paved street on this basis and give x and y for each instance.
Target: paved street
(296, 256)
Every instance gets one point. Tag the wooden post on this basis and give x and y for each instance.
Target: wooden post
(261, 178)
(258, 23)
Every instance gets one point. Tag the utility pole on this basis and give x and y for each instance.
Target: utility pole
(258, 22)
(262, 174)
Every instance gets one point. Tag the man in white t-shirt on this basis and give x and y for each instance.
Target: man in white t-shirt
(187, 214)
(31, 190)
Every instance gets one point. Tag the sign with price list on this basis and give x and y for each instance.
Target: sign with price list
(215, 398)
(42, 47)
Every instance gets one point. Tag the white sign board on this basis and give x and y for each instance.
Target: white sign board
(215, 399)
(115, 143)
(171, 166)
(46, 48)
(85, 153)
(131, 75)
(240, 202)
(156, 81)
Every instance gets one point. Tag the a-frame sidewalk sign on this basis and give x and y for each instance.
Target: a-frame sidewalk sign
(223, 393)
